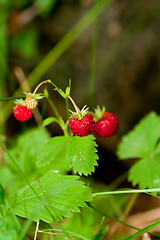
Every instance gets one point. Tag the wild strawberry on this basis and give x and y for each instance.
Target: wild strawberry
(31, 102)
(107, 126)
(22, 113)
(82, 127)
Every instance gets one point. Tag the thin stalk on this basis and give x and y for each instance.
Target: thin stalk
(143, 230)
(37, 226)
(52, 231)
(18, 226)
(67, 108)
(126, 212)
(20, 171)
(113, 218)
(11, 98)
(140, 231)
(54, 108)
(60, 121)
(75, 106)
(49, 81)
(127, 191)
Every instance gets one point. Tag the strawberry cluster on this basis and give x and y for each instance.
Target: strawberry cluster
(106, 124)
(81, 123)
(23, 109)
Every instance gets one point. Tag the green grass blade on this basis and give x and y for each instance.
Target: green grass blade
(143, 230)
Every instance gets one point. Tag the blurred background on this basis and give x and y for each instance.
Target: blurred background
(108, 48)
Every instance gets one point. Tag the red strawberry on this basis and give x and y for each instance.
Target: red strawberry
(107, 126)
(82, 127)
(30, 102)
(22, 113)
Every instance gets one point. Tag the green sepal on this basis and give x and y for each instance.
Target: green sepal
(81, 113)
(20, 102)
(36, 95)
(61, 93)
(99, 112)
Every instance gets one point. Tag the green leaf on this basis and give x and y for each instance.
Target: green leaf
(53, 154)
(7, 231)
(146, 173)
(66, 152)
(49, 120)
(7, 177)
(27, 146)
(140, 142)
(57, 196)
(81, 153)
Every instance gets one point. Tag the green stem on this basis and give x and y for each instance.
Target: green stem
(75, 106)
(67, 108)
(54, 108)
(126, 211)
(144, 230)
(60, 121)
(140, 231)
(113, 218)
(20, 171)
(49, 81)
(18, 226)
(75, 235)
(11, 98)
(127, 191)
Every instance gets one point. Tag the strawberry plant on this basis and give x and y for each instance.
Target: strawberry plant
(47, 180)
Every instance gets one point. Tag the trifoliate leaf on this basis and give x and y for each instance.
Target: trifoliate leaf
(81, 153)
(64, 152)
(56, 197)
(140, 142)
(146, 173)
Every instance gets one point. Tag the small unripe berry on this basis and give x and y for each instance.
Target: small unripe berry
(31, 102)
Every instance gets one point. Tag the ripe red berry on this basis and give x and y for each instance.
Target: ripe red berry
(107, 126)
(30, 102)
(22, 113)
(82, 127)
